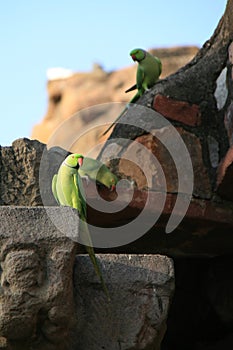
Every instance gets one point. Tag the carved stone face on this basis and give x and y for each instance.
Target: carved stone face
(36, 285)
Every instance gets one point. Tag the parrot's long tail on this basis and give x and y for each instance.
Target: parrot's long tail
(110, 127)
(133, 100)
(134, 87)
(94, 261)
(90, 250)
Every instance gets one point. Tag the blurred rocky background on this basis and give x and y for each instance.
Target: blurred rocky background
(70, 92)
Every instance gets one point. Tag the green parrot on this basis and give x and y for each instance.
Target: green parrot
(99, 172)
(148, 72)
(68, 190)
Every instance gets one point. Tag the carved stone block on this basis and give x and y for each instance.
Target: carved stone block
(140, 287)
(36, 290)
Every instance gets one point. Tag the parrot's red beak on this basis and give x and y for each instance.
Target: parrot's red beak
(113, 188)
(80, 162)
(133, 57)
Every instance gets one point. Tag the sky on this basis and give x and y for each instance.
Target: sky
(37, 35)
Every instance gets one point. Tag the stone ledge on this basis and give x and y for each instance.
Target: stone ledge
(205, 231)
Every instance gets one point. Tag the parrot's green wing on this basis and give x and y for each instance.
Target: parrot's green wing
(140, 77)
(81, 206)
(79, 200)
(159, 65)
(54, 189)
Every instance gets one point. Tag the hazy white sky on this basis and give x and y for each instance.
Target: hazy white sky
(73, 34)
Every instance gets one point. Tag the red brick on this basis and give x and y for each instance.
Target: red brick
(180, 111)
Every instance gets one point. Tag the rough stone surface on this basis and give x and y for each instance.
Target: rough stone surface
(26, 172)
(148, 163)
(180, 111)
(228, 122)
(213, 147)
(202, 186)
(36, 292)
(19, 173)
(230, 53)
(140, 289)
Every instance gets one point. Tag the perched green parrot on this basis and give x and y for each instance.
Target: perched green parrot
(148, 72)
(99, 172)
(68, 190)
